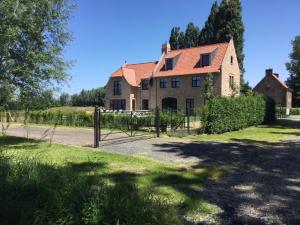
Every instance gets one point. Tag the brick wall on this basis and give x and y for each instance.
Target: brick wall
(228, 70)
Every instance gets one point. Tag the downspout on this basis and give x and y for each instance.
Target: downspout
(221, 78)
(153, 75)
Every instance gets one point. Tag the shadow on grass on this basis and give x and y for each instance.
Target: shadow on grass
(35, 193)
(252, 142)
(285, 124)
(10, 142)
(188, 184)
(86, 166)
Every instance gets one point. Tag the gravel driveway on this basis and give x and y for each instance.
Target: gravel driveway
(262, 188)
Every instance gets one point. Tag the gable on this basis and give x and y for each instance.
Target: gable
(270, 82)
(133, 73)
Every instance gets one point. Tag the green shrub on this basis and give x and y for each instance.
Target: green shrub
(223, 114)
(34, 193)
(295, 111)
(270, 113)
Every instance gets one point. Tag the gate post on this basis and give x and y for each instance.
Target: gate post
(157, 121)
(131, 123)
(188, 120)
(99, 124)
(96, 127)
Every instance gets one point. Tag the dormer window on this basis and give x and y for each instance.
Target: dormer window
(205, 60)
(169, 64)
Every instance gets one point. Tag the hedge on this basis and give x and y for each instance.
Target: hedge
(223, 114)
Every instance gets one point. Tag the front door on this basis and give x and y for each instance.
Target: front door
(189, 106)
(133, 104)
(169, 104)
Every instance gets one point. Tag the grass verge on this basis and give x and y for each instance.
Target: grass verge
(260, 135)
(69, 185)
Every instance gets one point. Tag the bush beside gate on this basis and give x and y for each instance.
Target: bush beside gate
(223, 114)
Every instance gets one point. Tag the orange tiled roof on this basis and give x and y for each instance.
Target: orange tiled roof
(188, 63)
(189, 60)
(133, 73)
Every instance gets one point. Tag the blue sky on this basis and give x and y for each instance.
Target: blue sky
(108, 32)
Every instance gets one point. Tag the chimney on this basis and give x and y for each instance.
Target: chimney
(276, 74)
(165, 48)
(269, 72)
(124, 64)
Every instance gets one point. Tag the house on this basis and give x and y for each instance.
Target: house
(175, 81)
(273, 87)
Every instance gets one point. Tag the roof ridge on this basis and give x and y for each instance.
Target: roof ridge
(141, 63)
(200, 46)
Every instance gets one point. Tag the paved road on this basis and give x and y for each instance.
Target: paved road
(119, 142)
(262, 188)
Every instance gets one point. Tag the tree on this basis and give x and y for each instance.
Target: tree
(208, 87)
(33, 35)
(228, 24)
(209, 31)
(191, 35)
(89, 97)
(6, 94)
(181, 40)
(246, 89)
(64, 99)
(174, 42)
(32, 100)
(294, 70)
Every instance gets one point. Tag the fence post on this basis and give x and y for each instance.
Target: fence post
(7, 117)
(188, 120)
(157, 121)
(131, 123)
(99, 124)
(96, 127)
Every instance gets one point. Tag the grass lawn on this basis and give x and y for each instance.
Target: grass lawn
(260, 135)
(178, 186)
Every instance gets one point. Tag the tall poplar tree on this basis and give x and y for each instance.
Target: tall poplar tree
(174, 38)
(191, 35)
(294, 69)
(209, 31)
(181, 40)
(229, 24)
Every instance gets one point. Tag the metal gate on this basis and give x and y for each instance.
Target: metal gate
(113, 125)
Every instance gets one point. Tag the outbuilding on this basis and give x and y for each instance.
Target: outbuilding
(272, 86)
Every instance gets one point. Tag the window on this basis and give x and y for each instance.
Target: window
(231, 60)
(169, 64)
(231, 81)
(145, 104)
(205, 60)
(118, 104)
(162, 83)
(189, 106)
(145, 84)
(196, 81)
(117, 87)
(175, 82)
